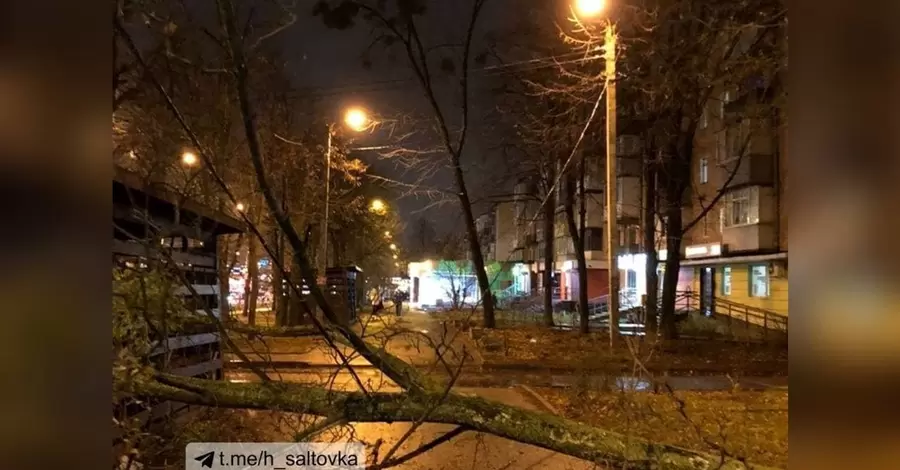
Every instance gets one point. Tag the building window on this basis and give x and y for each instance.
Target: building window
(759, 280)
(704, 170)
(631, 279)
(741, 207)
(593, 239)
(738, 138)
(704, 119)
(706, 225)
(726, 280)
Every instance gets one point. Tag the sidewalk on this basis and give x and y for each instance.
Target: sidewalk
(412, 338)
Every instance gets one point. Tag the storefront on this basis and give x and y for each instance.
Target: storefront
(755, 280)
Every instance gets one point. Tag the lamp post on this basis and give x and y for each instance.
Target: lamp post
(588, 9)
(357, 119)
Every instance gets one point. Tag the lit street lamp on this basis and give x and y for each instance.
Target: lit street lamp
(357, 120)
(393, 246)
(588, 9)
(189, 158)
(378, 206)
(387, 234)
(240, 207)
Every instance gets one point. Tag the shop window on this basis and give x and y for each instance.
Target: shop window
(726, 280)
(759, 280)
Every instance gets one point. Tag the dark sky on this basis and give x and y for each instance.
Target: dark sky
(330, 62)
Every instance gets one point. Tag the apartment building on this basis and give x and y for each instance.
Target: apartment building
(739, 249)
(529, 238)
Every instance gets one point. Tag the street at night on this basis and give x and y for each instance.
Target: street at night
(487, 234)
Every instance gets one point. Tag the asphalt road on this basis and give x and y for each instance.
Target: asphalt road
(469, 450)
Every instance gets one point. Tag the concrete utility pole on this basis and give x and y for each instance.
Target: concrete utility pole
(323, 262)
(612, 234)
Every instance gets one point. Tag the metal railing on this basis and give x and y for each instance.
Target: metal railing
(768, 320)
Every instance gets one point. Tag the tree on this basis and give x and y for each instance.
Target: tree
(397, 25)
(676, 58)
(422, 398)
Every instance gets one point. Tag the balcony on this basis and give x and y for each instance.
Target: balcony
(750, 237)
(752, 170)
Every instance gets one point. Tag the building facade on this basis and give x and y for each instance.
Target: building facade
(736, 248)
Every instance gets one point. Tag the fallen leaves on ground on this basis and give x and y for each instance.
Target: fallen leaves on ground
(746, 424)
(538, 346)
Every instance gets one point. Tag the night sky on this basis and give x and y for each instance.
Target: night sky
(329, 62)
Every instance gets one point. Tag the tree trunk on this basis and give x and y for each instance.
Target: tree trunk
(484, 283)
(279, 296)
(549, 222)
(673, 262)
(278, 303)
(651, 320)
(579, 252)
(578, 246)
(223, 247)
(252, 284)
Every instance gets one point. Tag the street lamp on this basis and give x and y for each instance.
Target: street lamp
(240, 207)
(188, 158)
(355, 119)
(393, 246)
(387, 234)
(378, 206)
(588, 9)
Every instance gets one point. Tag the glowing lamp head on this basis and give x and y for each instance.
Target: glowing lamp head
(240, 207)
(189, 158)
(393, 246)
(378, 206)
(356, 119)
(589, 8)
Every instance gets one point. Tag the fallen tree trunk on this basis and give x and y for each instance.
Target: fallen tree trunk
(477, 414)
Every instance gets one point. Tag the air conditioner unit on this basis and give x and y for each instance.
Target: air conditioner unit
(777, 270)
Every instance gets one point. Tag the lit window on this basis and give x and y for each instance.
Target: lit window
(726, 280)
(759, 280)
(741, 207)
(704, 170)
(631, 279)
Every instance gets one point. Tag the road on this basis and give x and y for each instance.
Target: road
(471, 450)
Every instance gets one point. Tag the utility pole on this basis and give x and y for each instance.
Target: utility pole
(612, 234)
(323, 262)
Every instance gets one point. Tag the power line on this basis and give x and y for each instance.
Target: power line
(481, 72)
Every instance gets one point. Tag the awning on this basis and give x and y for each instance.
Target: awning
(734, 259)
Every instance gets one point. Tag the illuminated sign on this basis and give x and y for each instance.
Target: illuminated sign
(694, 251)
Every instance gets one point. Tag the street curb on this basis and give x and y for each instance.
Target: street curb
(540, 399)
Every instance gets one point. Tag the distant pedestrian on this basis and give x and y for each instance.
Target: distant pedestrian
(398, 302)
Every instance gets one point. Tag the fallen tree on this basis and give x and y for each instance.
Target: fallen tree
(422, 400)
(472, 413)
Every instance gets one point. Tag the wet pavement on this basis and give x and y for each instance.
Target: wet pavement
(510, 379)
